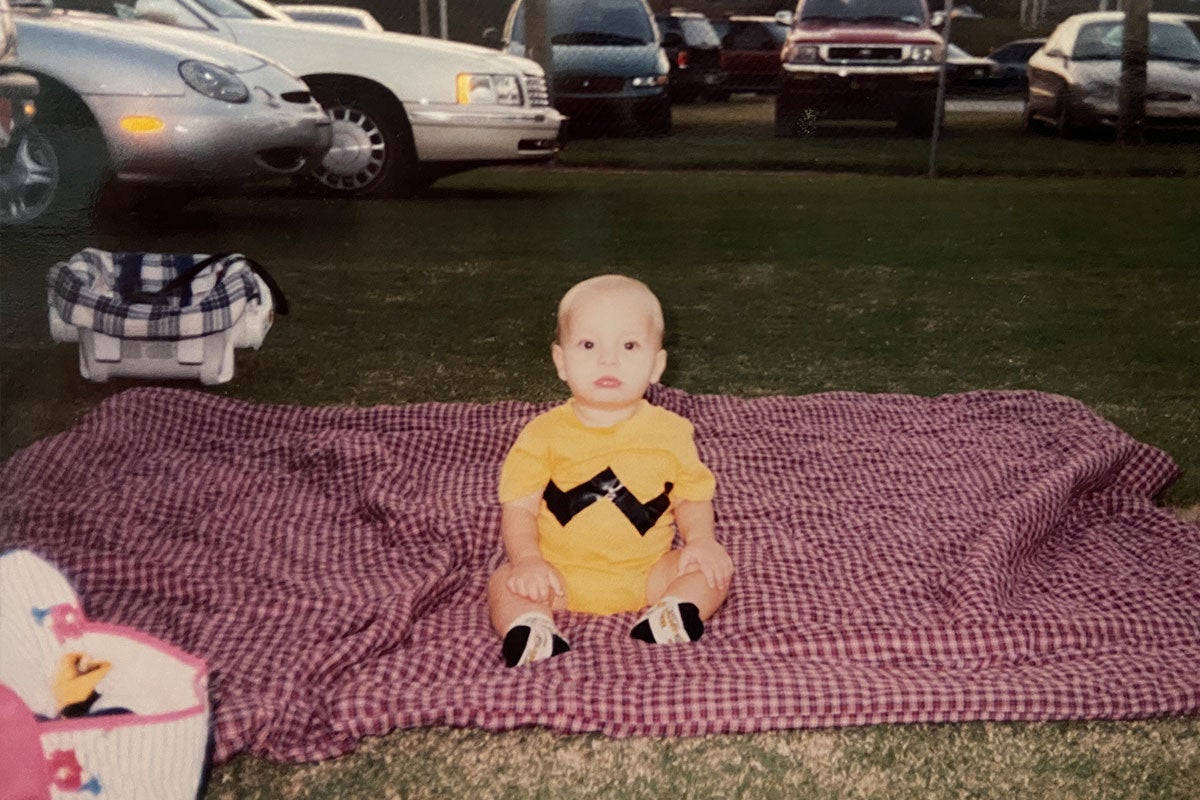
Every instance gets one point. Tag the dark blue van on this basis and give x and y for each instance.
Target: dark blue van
(609, 69)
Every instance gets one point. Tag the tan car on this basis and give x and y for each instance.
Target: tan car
(1073, 78)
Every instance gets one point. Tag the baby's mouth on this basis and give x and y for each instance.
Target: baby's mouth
(607, 382)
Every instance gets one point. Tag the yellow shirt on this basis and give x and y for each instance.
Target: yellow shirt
(599, 547)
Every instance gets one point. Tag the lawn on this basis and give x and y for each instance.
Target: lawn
(1071, 278)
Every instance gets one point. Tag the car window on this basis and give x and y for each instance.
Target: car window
(595, 22)
(698, 32)
(259, 9)
(910, 11)
(755, 36)
(1104, 40)
(166, 11)
(1019, 51)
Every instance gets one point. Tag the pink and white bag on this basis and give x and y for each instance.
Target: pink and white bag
(88, 709)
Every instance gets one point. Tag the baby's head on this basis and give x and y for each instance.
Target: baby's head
(618, 295)
(609, 343)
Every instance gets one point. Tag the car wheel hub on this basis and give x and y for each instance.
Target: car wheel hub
(357, 155)
(29, 175)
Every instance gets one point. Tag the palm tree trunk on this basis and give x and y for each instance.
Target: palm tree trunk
(1131, 96)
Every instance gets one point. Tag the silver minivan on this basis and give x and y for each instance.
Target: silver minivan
(610, 71)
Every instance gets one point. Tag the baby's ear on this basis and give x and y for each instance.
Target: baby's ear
(556, 353)
(660, 364)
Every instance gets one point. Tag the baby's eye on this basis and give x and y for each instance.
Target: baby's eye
(631, 345)
(587, 344)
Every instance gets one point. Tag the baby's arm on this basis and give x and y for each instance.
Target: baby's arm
(532, 576)
(701, 551)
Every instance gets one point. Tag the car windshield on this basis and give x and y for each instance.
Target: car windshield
(865, 11)
(1102, 41)
(172, 10)
(596, 22)
(698, 32)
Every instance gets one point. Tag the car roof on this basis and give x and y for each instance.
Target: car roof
(1119, 16)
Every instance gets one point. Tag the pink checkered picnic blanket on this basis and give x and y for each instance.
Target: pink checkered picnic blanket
(990, 555)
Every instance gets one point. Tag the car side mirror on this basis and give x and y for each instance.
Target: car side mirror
(490, 37)
(784, 18)
(672, 39)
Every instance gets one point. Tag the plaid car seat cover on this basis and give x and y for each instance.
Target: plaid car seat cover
(105, 292)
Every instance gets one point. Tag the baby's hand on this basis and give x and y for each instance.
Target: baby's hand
(534, 579)
(709, 558)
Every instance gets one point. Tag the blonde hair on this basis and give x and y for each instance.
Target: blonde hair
(609, 284)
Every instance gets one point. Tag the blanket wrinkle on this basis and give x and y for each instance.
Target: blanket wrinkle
(989, 555)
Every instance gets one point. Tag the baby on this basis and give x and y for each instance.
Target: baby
(593, 490)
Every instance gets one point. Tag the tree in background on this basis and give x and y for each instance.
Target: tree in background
(1131, 95)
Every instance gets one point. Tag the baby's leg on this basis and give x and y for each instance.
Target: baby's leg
(679, 604)
(526, 626)
(665, 581)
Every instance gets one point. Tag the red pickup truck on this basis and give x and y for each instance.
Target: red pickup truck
(859, 59)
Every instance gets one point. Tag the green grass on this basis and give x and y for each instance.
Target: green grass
(773, 282)
(740, 134)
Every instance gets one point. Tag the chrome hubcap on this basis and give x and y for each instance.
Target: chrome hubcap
(358, 152)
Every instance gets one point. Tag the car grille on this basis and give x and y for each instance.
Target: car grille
(585, 84)
(536, 90)
(850, 54)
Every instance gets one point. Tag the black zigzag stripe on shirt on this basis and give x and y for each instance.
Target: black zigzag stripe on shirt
(565, 505)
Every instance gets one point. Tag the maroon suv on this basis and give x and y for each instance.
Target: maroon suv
(859, 59)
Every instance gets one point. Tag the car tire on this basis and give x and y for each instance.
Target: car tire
(917, 119)
(656, 122)
(373, 154)
(70, 138)
(29, 178)
(1066, 128)
(787, 121)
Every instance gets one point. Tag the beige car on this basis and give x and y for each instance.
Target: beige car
(1074, 77)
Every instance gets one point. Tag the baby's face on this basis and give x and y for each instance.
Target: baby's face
(610, 350)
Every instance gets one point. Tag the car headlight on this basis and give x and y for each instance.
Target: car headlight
(802, 54)
(504, 90)
(213, 81)
(1100, 90)
(642, 81)
(923, 54)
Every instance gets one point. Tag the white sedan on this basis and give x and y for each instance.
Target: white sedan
(406, 109)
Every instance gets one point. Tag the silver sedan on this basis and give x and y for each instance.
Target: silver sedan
(155, 106)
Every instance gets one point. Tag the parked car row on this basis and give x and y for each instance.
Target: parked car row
(184, 93)
(205, 92)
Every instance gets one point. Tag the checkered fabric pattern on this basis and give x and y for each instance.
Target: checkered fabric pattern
(989, 555)
(95, 290)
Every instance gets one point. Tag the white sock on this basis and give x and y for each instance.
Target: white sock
(666, 622)
(540, 641)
